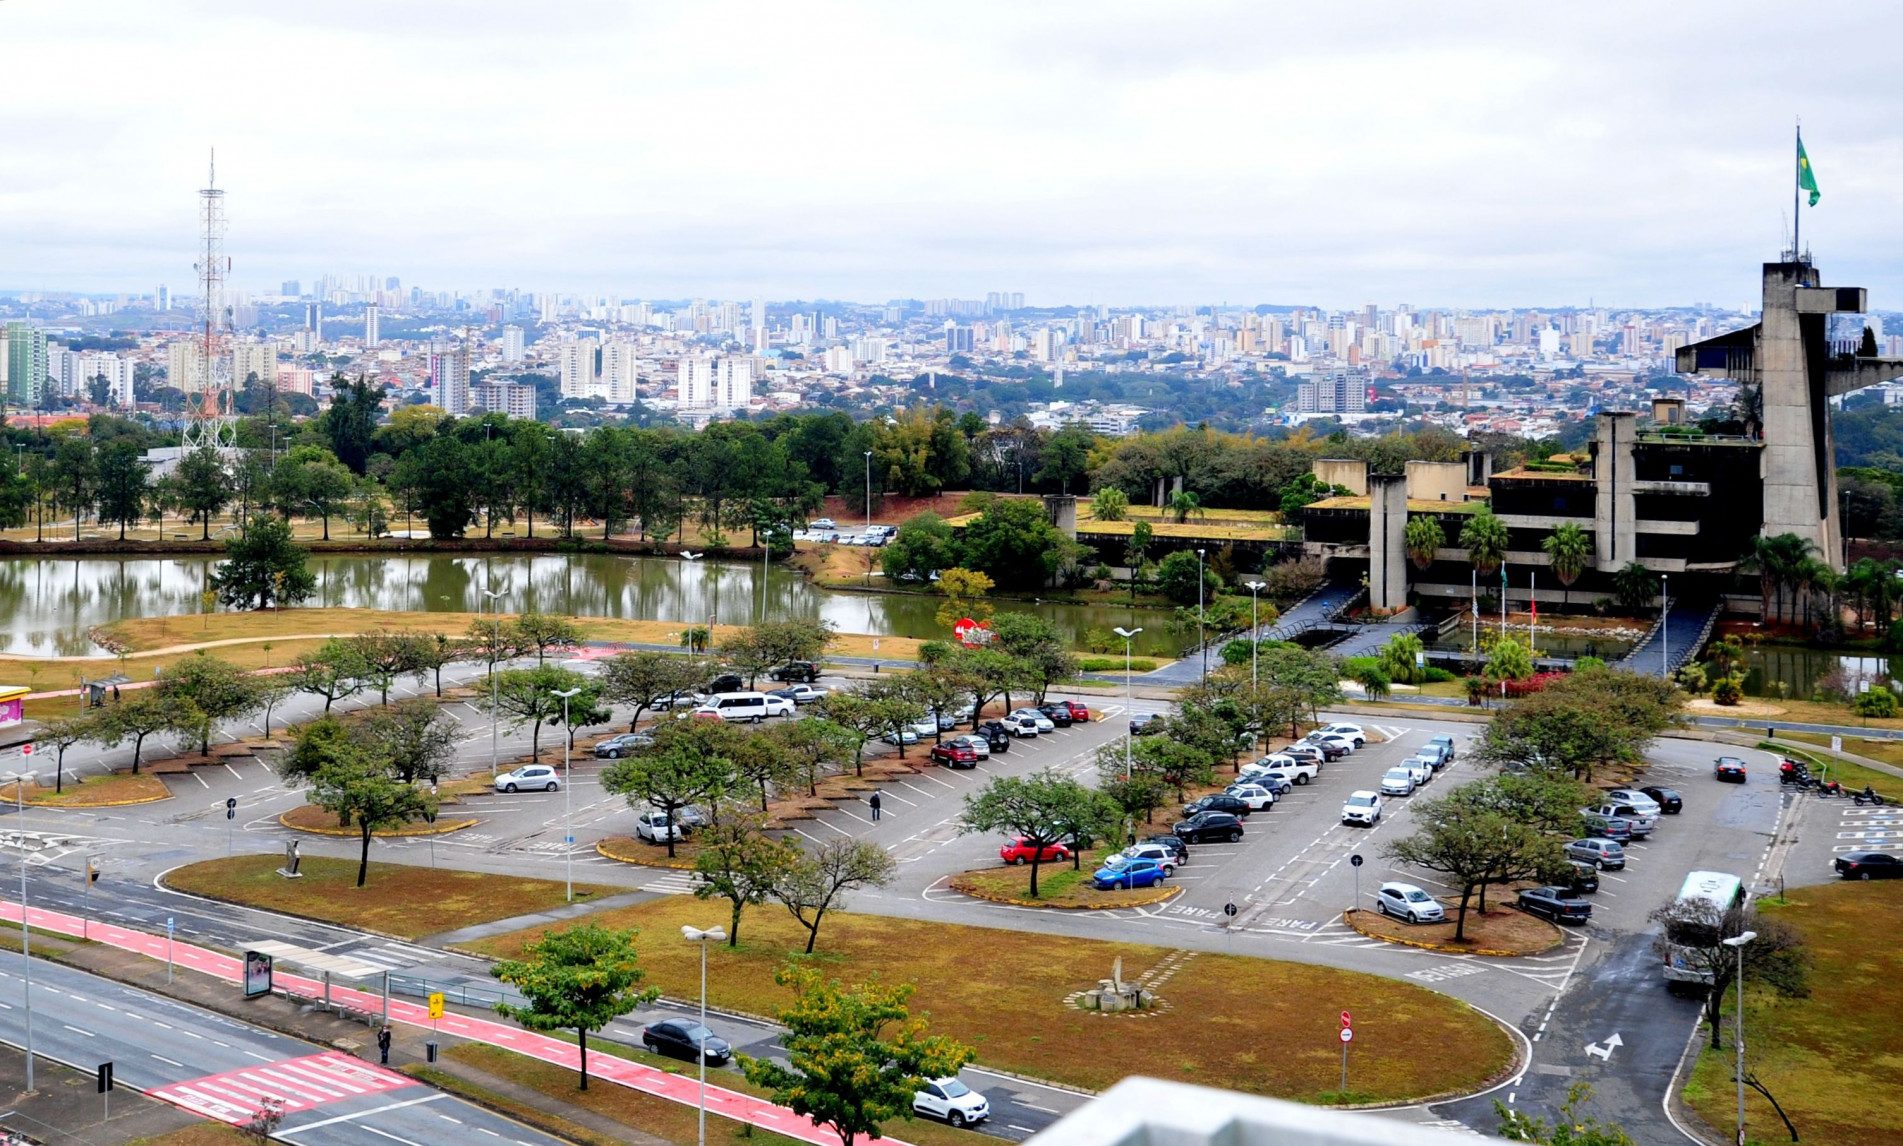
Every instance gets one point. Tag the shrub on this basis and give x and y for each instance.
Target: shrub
(1893, 640)
(1727, 691)
(1878, 702)
(1114, 664)
(1101, 641)
(1432, 675)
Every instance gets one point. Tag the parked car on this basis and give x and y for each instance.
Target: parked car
(979, 746)
(1585, 878)
(1446, 742)
(1043, 722)
(725, 682)
(1255, 796)
(1868, 865)
(952, 754)
(1019, 726)
(1636, 797)
(805, 671)
(995, 734)
(902, 737)
(1203, 827)
(1057, 714)
(928, 725)
(529, 777)
(1559, 904)
(1669, 801)
(1421, 769)
(1332, 747)
(950, 1100)
(615, 747)
(1218, 803)
(1361, 808)
(654, 828)
(1352, 731)
(1605, 827)
(1144, 723)
(777, 705)
(1729, 769)
(1079, 711)
(685, 1038)
(1642, 817)
(1122, 872)
(1397, 782)
(1606, 855)
(1274, 779)
(1438, 755)
(821, 523)
(1173, 843)
(801, 693)
(1307, 752)
(1020, 851)
(1405, 901)
(1298, 771)
(675, 700)
(1160, 853)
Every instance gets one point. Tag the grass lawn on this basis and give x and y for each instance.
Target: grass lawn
(398, 899)
(93, 791)
(311, 818)
(1500, 929)
(1057, 885)
(1256, 1025)
(202, 1134)
(1829, 1058)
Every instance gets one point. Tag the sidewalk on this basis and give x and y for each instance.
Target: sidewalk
(534, 919)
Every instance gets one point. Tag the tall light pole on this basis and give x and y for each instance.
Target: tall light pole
(1255, 632)
(495, 687)
(1201, 641)
(869, 489)
(1128, 635)
(568, 796)
(1736, 942)
(1665, 636)
(26, 933)
(686, 555)
(696, 935)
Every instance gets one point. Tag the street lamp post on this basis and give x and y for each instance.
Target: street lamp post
(1665, 637)
(1128, 635)
(689, 555)
(495, 686)
(1737, 942)
(26, 933)
(1200, 639)
(696, 935)
(869, 490)
(1255, 632)
(568, 795)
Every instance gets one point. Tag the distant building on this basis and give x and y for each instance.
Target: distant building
(512, 344)
(958, 339)
(259, 358)
(1336, 392)
(372, 334)
(515, 399)
(449, 378)
(26, 363)
(575, 366)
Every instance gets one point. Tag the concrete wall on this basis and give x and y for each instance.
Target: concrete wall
(1615, 544)
(1668, 411)
(1062, 509)
(1800, 476)
(1387, 541)
(1437, 481)
(1346, 472)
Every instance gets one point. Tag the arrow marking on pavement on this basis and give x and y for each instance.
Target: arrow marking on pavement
(1605, 1052)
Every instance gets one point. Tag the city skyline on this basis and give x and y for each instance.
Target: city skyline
(1081, 154)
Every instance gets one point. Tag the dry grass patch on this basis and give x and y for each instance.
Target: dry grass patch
(1256, 1025)
(1501, 931)
(311, 818)
(93, 792)
(201, 1134)
(633, 849)
(1829, 1057)
(398, 899)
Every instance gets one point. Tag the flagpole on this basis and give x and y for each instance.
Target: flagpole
(1797, 180)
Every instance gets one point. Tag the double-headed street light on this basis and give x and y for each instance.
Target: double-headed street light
(20, 780)
(710, 935)
(568, 796)
(1255, 633)
(1737, 943)
(1128, 635)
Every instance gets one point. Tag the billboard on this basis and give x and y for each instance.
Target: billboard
(257, 974)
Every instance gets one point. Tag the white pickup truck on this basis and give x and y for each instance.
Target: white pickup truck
(1299, 771)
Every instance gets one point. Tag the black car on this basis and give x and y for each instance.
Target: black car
(1559, 904)
(1057, 714)
(1669, 801)
(726, 682)
(682, 1038)
(1218, 803)
(1203, 827)
(796, 671)
(1869, 865)
(1585, 877)
(1176, 846)
(1144, 723)
(994, 735)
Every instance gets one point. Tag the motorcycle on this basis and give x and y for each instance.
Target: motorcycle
(1799, 776)
(1834, 788)
(1869, 797)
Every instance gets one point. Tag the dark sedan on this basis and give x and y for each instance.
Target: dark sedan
(1057, 714)
(1869, 865)
(995, 735)
(1219, 803)
(1175, 845)
(1669, 801)
(1204, 827)
(1585, 877)
(682, 1038)
(1559, 904)
(1144, 723)
(1729, 769)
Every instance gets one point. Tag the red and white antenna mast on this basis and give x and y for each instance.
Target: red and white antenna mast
(212, 425)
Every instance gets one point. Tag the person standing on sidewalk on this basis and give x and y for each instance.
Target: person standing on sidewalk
(874, 802)
(383, 1046)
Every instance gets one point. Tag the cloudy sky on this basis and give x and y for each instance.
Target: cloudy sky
(1104, 151)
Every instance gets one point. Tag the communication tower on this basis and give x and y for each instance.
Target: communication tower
(211, 424)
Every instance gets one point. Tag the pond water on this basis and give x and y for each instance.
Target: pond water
(1800, 670)
(48, 605)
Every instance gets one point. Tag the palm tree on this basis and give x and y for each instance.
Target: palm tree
(1186, 505)
(1397, 657)
(1484, 537)
(1775, 560)
(1422, 538)
(1569, 547)
(1809, 575)
(1635, 585)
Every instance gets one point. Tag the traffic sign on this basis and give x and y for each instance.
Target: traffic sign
(1347, 1034)
(1345, 1020)
(171, 924)
(1229, 909)
(231, 807)
(436, 1005)
(1355, 859)
(103, 1077)
(26, 749)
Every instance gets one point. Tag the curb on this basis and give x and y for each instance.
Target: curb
(348, 833)
(1448, 948)
(101, 804)
(1015, 902)
(601, 848)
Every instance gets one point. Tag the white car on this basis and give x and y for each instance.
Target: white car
(1422, 770)
(1254, 795)
(1164, 857)
(780, 705)
(1397, 782)
(1362, 807)
(804, 693)
(1351, 731)
(929, 726)
(654, 828)
(529, 778)
(1019, 725)
(1345, 743)
(1043, 722)
(1405, 901)
(1636, 798)
(902, 737)
(979, 746)
(951, 1100)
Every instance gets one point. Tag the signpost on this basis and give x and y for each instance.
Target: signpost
(103, 1079)
(231, 816)
(1347, 1036)
(1354, 861)
(86, 899)
(171, 925)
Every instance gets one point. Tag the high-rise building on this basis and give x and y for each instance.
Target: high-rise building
(163, 300)
(291, 288)
(254, 358)
(184, 366)
(958, 339)
(696, 383)
(26, 363)
(117, 373)
(1336, 392)
(575, 360)
(515, 399)
(372, 335)
(449, 377)
(733, 383)
(620, 380)
(512, 344)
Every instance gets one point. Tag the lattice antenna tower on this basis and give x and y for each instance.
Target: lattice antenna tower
(212, 424)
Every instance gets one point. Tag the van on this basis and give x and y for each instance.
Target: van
(735, 707)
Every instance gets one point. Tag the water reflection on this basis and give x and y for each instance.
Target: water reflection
(50, 604)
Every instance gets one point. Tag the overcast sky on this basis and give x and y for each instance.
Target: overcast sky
(1438, 154)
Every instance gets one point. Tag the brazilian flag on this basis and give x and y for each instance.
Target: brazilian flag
(1806, 178)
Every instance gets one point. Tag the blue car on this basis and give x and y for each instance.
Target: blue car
(1123, 872)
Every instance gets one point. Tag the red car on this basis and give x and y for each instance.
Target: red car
(954, 756)
(1079, 712)
(1019, 850)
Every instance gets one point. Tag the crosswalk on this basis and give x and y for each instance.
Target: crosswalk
(671, 883)
(299, 1083)
(390, 956)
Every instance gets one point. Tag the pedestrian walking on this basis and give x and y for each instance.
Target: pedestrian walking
(874, 801)
(383, 1046)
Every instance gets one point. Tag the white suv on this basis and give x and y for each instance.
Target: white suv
(951, 1100)
(1405, 901)
(1361, 808)
(1351, 731)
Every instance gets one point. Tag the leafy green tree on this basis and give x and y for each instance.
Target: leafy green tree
(527, 696)
(864, 717)
(1031, 641)
(122, 485)
(138, 716)
(757, 648)
(740, 863)
(545, 633)
(333, 671)
(1570, 1129)
(814, 886)
(1185, 505)
(1397, 658)
(1141, 536)
(1140, 795)
(813, 743)
(691, 761)
(580, 979)
(202, 487)
(387, 655)
(416, 739)
(210, 690)
(312, 482)
(1692, 934)
(1569, 548)
(1484, 537)
(1013, 543)
(1580, 722)
(1371, 676)
(643, 678)
(1176, 576)
(1508, 659)
(263, 566)
(351, 421)
(1040, 807)
(1635, 586)
(361, 792)
(1066, 456)
(1110, 504)
(447, 486)
(1422, 538)
(924, 545)
(844, 1068)
(75, 470)
(1473, 846)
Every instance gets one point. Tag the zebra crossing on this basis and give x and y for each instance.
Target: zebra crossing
(392, 956)
(672, 882)
(299, 1084)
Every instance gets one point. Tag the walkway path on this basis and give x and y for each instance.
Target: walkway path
(1685, 628)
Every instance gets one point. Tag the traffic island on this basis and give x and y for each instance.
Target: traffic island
(1500, 931)
(315, 820)
(115, 791)
(1058, 887)
(630, 849)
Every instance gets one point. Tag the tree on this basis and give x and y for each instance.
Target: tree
(1472, 846)
(1484, 537)
(642, 679)
(1041, 658)
(386, 656)
(140, 715)
(1141, 536)
(1569, 1130)
(1581, 721)
(691, 761)
(1039, 807)
(755, 649)
(1371, 676)
(579, 979)
(1398, 655)
(923, 546)
(964, 591)
(359, 790)
(527, 696)
(1635, 586)
(263, 566)
(202, 486)
(1569, 548)
(415, 738)
(1422, 538)
(122, 485)
(1066, 456)
(1508, 659)
(939, 691)
(433, 652)
(740, 863)
(211, 691)
(351, 421)
(843, 1070)
(1014, 543)
(334, 670)
(542, 632)
(810, 745)
(860, 716)
(1692, 938)
(74, 470)
(272, 691)
(814, 885)
(312, 482)
(1177, 576)
(59, 735)
(1140, 795)
(1110, 504)
(1185, 505)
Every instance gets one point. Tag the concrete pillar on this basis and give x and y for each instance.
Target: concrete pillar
(1062, 508)
(1387, 541)
(1616, 543)
(1800, 477)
